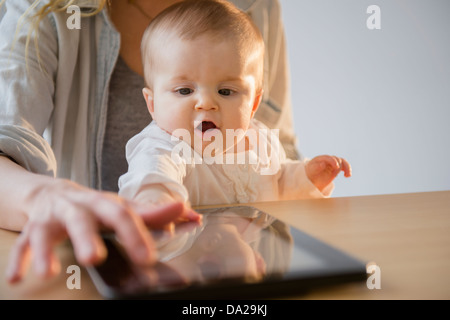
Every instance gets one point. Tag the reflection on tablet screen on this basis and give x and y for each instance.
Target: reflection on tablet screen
(239, 244)
(235, 250)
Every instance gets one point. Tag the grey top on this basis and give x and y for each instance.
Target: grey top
(127, 115)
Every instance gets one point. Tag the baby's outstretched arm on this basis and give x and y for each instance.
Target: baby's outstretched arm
(322, 170)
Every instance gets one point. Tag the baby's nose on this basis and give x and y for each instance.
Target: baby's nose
(206, 102)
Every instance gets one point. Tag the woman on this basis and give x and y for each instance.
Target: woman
(71, 88)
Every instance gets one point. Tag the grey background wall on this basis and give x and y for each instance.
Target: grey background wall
(380, 98)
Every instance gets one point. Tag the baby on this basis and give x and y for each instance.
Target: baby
(203, 65)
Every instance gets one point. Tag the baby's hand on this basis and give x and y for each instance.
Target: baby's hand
(322, 170)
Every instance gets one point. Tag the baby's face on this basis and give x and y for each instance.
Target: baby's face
(204, 87)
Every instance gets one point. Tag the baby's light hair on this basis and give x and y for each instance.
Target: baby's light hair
(190, 19)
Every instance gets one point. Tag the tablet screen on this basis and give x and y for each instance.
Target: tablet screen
(235, 252)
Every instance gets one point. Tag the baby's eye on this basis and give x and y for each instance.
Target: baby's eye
(185, 91)
(225, 92)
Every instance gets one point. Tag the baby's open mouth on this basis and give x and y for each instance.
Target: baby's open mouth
(206, 130)
(205, 126)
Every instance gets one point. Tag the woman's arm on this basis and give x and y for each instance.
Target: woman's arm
(50, 210)
(16, 186)
(13, 192)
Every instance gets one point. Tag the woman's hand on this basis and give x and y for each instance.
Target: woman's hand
(64, 210)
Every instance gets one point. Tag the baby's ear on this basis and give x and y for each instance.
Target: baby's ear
(257, 101)
(148, 96)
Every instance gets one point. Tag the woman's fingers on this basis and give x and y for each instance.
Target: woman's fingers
(35, 244)
(19, 259)
(45, 264)
(79, 214)
(128, 227)
(82, 229)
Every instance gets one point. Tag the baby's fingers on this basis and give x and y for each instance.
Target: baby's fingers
(334, 164)
(331, 163)
(158, 216)
(346, 168)
(339, 164)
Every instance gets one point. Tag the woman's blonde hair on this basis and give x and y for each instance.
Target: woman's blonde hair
(45, 10)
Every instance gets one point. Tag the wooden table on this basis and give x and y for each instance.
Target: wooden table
(406, 235)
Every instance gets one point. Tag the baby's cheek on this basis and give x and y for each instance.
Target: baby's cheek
(241, 121)
(175, 121)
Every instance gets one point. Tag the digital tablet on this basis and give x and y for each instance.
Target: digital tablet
(235, 253)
